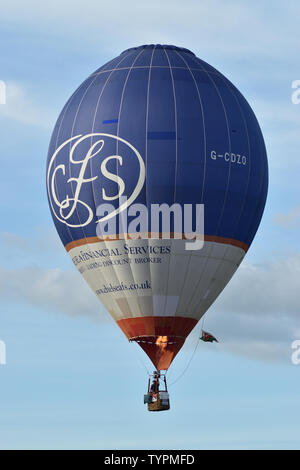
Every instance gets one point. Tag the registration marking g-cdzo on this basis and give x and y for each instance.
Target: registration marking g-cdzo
(231, 157)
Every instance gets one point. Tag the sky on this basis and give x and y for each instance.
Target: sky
(71, 379)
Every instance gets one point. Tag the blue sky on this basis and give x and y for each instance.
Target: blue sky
(71, 378)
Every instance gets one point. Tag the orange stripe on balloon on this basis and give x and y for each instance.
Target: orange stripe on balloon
(207, 238)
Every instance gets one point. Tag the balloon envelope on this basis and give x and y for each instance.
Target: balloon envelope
(156, 125)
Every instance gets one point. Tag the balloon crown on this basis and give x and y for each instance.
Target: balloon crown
(159, 46)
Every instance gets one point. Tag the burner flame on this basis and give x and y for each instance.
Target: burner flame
(162, 342)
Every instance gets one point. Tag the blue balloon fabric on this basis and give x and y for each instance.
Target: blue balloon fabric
(160, 107)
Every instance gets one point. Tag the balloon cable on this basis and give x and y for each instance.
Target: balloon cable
(192, 356)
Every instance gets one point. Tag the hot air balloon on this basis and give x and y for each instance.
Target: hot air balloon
(156, 127)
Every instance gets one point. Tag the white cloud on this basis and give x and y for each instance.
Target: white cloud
(41, 240)
(42, 248)
(54, 289)
(258, 313)
(209, 25)
(25, 275)
(269, 288)
(20, 106)
(289, 219)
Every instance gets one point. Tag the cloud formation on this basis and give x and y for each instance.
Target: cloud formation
(271, 287)
(21, 107)
(54, 289)
(258, 314)
(289, 219)
(147, 21)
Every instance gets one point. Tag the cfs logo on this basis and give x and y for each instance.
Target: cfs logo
(74, 169)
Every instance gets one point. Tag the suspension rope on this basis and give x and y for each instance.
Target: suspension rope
(202, 324)
(192, 356)
(188, 364)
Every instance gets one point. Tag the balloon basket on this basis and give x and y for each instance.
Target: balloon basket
(157, 397)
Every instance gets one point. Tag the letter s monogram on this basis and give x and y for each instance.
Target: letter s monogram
(112, 177)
